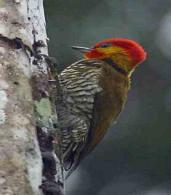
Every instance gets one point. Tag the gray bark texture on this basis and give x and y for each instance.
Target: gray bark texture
(28, 166)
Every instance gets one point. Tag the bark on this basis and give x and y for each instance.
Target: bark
(25, 109)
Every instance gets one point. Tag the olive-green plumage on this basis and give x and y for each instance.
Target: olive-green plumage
(108, 103)
(94, 93)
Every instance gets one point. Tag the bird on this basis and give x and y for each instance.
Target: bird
(93, 92)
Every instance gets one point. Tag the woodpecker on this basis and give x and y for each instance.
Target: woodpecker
(94, 91)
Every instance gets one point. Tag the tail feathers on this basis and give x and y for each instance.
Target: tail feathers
(72, 159)
(71, 164)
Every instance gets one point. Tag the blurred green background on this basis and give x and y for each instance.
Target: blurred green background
(135, 156)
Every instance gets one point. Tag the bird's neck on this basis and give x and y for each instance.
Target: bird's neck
(117, 67)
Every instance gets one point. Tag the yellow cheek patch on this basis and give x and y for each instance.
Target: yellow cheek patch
(119, 55)
(111, 49)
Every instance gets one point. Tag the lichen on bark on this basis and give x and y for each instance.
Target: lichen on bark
(25, 104)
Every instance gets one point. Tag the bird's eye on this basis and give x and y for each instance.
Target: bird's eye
(104, 45)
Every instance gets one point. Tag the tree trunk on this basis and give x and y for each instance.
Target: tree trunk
(25, 109)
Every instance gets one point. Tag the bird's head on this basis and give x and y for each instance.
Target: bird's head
(125, 53)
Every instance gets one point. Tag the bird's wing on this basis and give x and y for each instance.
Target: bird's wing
(107, 105)
(80, 84)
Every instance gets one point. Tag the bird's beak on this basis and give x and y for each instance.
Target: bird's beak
(82, 49)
